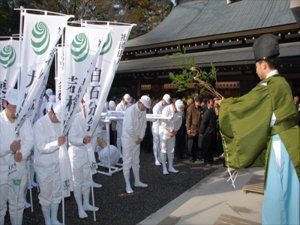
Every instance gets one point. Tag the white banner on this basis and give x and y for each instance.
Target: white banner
(59, 70)
(41, 33)
(104, 73)
(9, 65)
(82, 47)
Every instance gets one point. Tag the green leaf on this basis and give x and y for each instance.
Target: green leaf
(184, 77)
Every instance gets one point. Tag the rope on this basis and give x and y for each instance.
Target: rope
(231, 172)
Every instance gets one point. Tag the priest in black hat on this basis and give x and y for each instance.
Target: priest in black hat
(260, 128)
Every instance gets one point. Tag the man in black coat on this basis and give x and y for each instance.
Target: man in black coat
(208, 132)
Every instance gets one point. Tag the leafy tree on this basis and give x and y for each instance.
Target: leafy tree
(183, 76)
(147, 14)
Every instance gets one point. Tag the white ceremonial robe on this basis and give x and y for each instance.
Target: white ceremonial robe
(13, 175)
(134, 127)
(174, 124)
(119, 126)
(46, 160)
(78, 153)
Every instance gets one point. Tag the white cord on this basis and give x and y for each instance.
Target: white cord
(232, 172)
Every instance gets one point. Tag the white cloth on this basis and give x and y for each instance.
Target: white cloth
(134, 127)
(46, 160)
(174, 124)
(119, 126)
(13, 175)
(109, 156)
(78, 153)
(157, 110)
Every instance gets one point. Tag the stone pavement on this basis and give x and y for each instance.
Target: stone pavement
(213, 201)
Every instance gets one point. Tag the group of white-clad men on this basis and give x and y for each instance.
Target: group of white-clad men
(44, 139)
(131, 131)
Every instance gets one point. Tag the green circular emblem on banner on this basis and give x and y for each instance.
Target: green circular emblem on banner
(7, 56)
(40, 38)
(107, 45)
(80, 47)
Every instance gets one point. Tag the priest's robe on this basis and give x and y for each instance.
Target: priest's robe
(260, 128)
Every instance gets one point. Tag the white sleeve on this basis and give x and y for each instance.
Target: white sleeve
(178, 121)
(4, 153)
(129, 124)
(143, 126)
(43, 142)
(26, 139)
(75, 133)
(164, 123)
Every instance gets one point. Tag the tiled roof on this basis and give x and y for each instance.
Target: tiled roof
(201, 18)
(237, 56)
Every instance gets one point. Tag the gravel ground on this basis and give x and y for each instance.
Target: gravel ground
(119, 208)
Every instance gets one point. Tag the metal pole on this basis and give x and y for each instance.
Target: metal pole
(108, 144)
(63, 209)
(30, 185)
(93, 199)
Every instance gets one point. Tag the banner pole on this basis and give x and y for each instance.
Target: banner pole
(20, 44)
(93, 199)
(30, 184)
(108, 144)
(63, 210)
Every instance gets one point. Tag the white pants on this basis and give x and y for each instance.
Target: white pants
(156, 140)
(119, 128)
(167, 144)
(12, 191)
(82, 177)
(80, 167)
(50, 184)
(131, 154)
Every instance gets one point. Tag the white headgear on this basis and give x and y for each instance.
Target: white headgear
(179, 105)
(127, 98)
(12, 96)
(58, 110)
(49, 92)
(167, 98)
(111, 105)
(146, 101)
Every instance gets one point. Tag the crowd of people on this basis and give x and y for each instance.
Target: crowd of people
(33, 156)
(264, 118)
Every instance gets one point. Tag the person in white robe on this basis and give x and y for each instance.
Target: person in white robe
(47, 141)
(13, 155)
(79, 141)
(157, 110)
(167, 132)
(134, 127)
(122, 106)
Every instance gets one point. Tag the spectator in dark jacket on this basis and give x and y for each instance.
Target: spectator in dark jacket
(208, 132)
